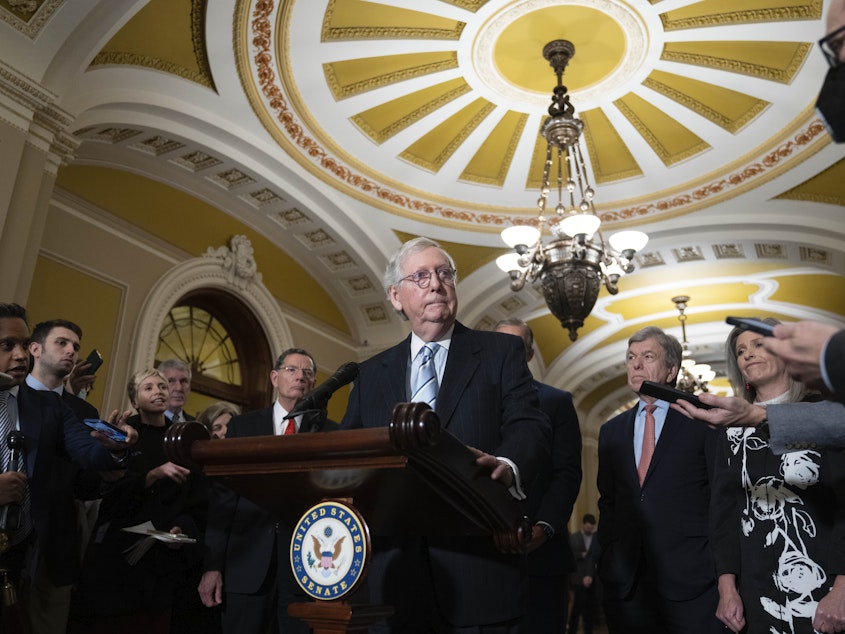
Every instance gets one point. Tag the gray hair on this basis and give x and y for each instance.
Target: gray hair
(672, 350)
(796, 391)
(394, 272)
(528, 334)
(174, 364)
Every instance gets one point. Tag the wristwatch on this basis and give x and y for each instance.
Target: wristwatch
(547, 530)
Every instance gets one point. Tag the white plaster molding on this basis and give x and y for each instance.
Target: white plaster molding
(209, 271)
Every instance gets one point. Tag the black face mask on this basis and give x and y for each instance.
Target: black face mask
(831, 103)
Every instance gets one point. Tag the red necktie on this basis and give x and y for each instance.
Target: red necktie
(648, 442)
(290, 430)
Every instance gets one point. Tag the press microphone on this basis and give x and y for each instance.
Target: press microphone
(317, 398)
(10, 515)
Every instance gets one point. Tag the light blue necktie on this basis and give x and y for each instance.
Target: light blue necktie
(424, 376)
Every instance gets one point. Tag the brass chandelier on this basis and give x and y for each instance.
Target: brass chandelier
(693, 377)
(574, 264)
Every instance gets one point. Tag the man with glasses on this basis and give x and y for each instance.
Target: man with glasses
(831, 101)
(247, 549)
(479, 385)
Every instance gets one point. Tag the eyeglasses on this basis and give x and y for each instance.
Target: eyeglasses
(291, 371)
(831, 45)
(422, 279)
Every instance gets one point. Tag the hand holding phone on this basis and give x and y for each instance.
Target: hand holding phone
(670, 394)
(95, 360)
(754, 325)
(112, 432)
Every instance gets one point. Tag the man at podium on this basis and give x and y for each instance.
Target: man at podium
(479, 385)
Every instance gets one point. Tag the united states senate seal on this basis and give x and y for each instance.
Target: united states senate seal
(329, 550)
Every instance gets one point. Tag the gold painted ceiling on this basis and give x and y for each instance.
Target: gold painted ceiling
(337, 128)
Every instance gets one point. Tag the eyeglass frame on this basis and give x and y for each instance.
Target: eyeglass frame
(291, 370)
(423, 278)
(831, 54)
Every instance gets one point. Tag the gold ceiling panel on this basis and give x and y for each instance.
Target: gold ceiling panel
(383, 121)
(825, 187)
(822, 292)
(726, 108)
(355, 76)
(358, 19)
(492, 161)
(775, 61)
(433, 150)
(610, 157)
(670, 140)
(178, 48)
(725, 12)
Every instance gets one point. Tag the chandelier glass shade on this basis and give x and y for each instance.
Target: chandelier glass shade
(574, 264)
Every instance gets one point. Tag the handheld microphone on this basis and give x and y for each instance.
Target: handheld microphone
(317, 398)
(10, 515)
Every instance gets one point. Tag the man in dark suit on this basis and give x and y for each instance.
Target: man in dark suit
(54, 348)
(178, 375)
(585, 547)
(657, 566)
(51, 431)
(550, 560)
(482, 394)
(247, 550)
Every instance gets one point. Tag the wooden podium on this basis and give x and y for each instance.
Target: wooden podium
(409, 478)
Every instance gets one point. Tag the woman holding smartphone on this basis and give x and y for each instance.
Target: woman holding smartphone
(128, 582)
(778, 521)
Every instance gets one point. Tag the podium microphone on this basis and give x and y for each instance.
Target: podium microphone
(317, 398)
(10, 515)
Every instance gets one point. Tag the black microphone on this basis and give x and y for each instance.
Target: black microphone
(317, 398)
(10, 515)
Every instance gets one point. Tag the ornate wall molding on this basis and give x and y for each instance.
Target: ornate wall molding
(228, 268)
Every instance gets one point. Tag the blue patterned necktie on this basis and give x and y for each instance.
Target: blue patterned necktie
(424, 376)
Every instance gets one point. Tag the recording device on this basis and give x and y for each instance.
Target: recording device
(10, 515)
(754, 325)
(6, 380)
(112, 432)
(95, 359)
(317, 399)
(831, 103)
(670, 394)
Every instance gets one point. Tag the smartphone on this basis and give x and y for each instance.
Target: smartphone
(95, 359)
(110, 431)
(754, 325)
(5, 379)
(670, 394)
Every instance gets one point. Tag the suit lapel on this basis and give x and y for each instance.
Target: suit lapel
(460, 367)
(671, 427)
(395, 382)
(629, 459)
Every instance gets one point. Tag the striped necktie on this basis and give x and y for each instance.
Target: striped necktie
(424, 376)
(7, 426)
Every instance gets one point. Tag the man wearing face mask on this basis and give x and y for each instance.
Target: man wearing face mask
(831, 101)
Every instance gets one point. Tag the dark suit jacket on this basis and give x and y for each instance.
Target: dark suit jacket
(52, 432)
(585, 558)
(487, 401)
(556, 489)
(834, 361)
(666, 521)
(240, 535)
